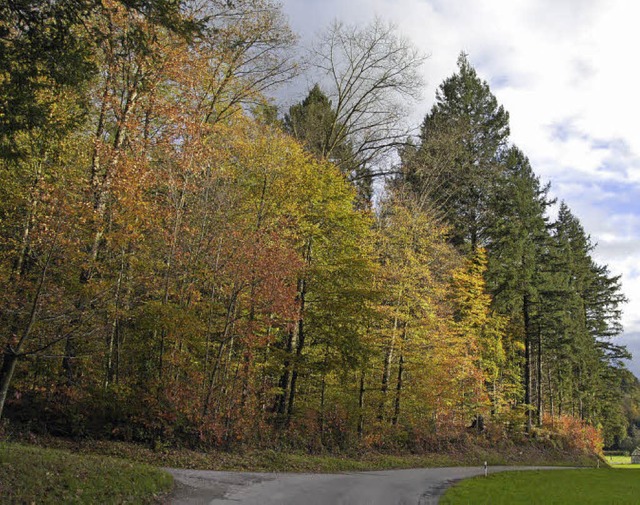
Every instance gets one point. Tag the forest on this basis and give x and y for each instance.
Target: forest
(185, 262)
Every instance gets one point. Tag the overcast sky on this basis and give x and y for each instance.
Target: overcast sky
(566, 70)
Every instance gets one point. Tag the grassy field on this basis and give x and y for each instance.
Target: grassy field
(31, 474)
(552, 487)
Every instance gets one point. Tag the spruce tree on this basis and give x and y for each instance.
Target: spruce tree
(456, 165)
(579, 314)
(516, 235)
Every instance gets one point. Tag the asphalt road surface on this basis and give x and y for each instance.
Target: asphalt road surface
(391, 487)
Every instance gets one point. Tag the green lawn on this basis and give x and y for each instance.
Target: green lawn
(549, 487)
(30, 474)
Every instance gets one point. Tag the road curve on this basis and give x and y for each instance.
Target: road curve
(402, 487)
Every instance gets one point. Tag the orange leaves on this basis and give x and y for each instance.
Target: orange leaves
(576, 433)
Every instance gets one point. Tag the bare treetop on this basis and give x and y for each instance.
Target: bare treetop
(372, 75)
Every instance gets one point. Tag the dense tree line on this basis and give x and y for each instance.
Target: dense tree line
(557, 302)
(180, 264)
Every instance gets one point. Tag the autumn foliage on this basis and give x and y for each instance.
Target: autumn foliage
(176, 269)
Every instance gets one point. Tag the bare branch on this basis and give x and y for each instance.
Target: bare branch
(372, 76)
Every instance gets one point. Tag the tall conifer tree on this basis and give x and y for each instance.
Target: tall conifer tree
(462, 141)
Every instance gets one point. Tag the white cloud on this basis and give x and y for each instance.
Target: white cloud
(567, 64)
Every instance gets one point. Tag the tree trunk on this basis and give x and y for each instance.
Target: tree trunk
(281, 399)
(28, 224)
(68, 365)
(323, 390)
(228, 324)
(6, 374)
(396, 408)
(297, 340)
(101, 183)
(539, 377)
(361, 406)
(386, 370)
(299, 347)
(399, 382)
(551, 403)
(113, 334)
(527, 364)
(11, 356)
(560, 395)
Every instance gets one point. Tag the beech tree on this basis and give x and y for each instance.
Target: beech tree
(417, 331)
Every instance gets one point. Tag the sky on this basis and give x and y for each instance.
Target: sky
(566, 70)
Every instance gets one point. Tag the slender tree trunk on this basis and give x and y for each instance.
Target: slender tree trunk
(551, 402)
(265, 382)
(11, 356)
(28, 223)
(248, 354)
(396, 408)
(399, 382)
(68, 365)
(6, 374)
(323, 390)
(539, 377)
(281, 399)
(296, 340)
(527, 364)
(225, 390)
(177, 222)
(113, 334)
(299, 348)
(386, 368)
(361, 406)
(208, 344)
(101, 183)
(228, 324)
(560, 395)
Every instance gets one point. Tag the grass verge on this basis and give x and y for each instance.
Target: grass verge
(557, 487)
(282, 461)
(30, 474)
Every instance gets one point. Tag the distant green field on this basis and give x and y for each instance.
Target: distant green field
(620, 462)
(549, 487)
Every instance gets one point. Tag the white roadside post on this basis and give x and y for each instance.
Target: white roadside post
(486, 469)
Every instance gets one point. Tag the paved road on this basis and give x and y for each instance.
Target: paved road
(401, 487)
